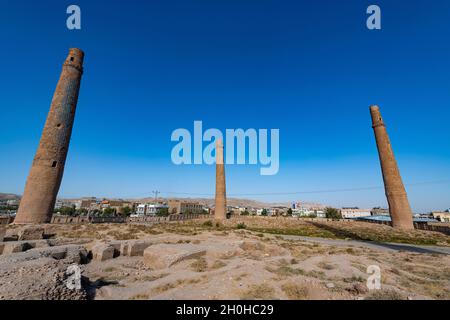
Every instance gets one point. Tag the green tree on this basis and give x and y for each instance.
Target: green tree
(245, 213)
(127, 211)
(264, 212)
(108, 212)
(9, 208)
(333, 213)
(289, 212)
(163, 212)
(81, 212)
(68, 211)
(96, 212)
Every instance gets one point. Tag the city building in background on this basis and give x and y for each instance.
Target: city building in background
(443, 216)
(180, 207)
(150, 209)
(378, 211)
(355, 212)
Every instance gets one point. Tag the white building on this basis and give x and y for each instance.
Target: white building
(140, 209)
(308, 212)
(243, 209)
(320, 214)
(153, 209)
(259, 212)
(12, 202)
(352, 213)
(150, 209)
(271, 212)
(67, 204)
(380, 211)
(442, 216)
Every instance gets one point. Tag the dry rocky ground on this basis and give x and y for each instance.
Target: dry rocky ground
(244, 258)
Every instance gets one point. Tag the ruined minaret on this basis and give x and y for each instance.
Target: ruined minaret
(44, 179)
(399, 208)
(221, 197)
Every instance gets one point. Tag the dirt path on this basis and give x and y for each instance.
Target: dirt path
(374, 245)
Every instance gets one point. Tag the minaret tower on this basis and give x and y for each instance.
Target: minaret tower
(220, 212)
(44, 179)
(399, 207)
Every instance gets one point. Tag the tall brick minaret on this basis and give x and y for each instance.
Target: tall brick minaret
(399, 207)
(44, 179)
(220, 212)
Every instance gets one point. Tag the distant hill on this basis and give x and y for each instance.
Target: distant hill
(204, 201)
(235, 202)
(9, 196)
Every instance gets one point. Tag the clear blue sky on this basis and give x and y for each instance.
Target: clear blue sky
(309, 68)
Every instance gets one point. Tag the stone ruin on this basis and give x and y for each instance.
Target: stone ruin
(34, 266)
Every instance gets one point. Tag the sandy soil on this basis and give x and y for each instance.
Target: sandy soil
(247, 264)
(241, 265)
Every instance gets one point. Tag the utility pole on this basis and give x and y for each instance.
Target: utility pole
(156, 192)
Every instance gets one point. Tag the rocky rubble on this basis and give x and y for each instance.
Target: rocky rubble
(163, 256)
(41, 274)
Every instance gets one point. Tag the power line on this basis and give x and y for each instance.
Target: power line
(307, 191)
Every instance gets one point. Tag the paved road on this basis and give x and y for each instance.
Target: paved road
(374, 245)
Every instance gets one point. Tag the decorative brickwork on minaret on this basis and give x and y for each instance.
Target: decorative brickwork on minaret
(221, 197)
(46, 172)
(399, 207)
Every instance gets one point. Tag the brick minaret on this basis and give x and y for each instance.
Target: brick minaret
(221, 197)
(399, 208)
(46, 172)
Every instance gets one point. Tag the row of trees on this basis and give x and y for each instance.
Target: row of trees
(70, 211)
(107, 212)
(333, 213)
(9, 208)
(330, 213)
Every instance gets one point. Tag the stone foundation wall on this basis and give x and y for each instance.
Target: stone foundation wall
(148, 219)
(433, 226)
(67, 219)
(57, 219)
(6, 220)
(172, 217)
(108, 220)
(82, 219)
(427, 226)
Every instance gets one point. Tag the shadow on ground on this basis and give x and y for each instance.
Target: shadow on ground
(92, 287)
